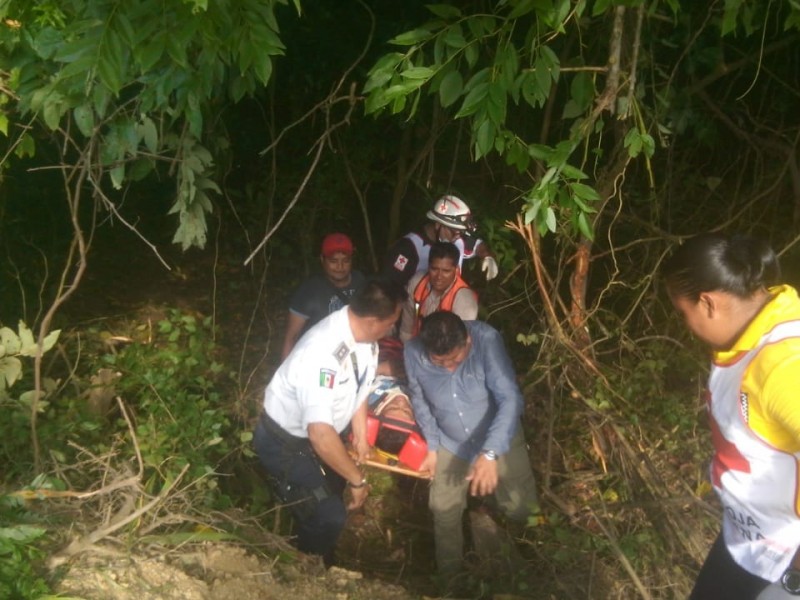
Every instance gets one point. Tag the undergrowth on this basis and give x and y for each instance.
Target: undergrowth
(149, 415)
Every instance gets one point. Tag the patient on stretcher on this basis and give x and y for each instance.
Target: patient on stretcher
(391, 428)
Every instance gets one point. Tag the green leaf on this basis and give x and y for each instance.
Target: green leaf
(582, 90)
(148, 54)
(451, 88)
(109, 72)
(454, 37)
(648, 145)
(600, 6)
(4, 123)
(497, 103)
(481, 76)
(377, 80)
(76, 49)
(47, 42)
(10, 371)
(584, 192)
(21, 534)
(418, 73)
(633, 142)
(26, 147)
(484, 138)
(27, 342)
(262, 66)
(584, 227)
(730, 15)
(117, 175)
(568, 170)
(532, 211)
(9, 341)
(478, 26)
(50, 339)
(446, 11)
(571, 110)
(540, 152)
(28, 398)
(140, 168)
(409, 38)
(53, 109)
(471, 55)
(148, 132)
(387, 62)
(177, 52)
(520, 8)
(84, 119)
(550, 219)
(544, 77)
(474, 99)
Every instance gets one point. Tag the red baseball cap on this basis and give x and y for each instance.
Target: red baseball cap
(336, 242)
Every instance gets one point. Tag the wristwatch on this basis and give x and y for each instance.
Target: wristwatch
(791, 581)
(489, 454)
(358, 486)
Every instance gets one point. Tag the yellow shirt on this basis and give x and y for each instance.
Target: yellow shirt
(772, 381)
(754, 412)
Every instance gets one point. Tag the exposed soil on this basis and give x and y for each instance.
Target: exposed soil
(216, 571)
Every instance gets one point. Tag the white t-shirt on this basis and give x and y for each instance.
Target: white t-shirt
(323, 380)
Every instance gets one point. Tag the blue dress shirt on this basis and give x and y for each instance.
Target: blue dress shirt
(477, 406)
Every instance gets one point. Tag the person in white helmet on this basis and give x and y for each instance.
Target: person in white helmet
(450, 220)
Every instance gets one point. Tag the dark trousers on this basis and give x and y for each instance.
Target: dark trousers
(721, 578)
(312, 492)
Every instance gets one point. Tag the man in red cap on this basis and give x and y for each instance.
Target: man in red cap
(323, 293)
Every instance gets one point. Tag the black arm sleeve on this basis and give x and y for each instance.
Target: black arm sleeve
(401, 261)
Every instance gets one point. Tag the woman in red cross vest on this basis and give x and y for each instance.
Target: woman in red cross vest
(726, 289)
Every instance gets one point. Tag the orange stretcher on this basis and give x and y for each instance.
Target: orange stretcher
(386, 462)
(409, 458)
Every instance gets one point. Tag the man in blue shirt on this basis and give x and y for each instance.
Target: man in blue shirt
(468, 405)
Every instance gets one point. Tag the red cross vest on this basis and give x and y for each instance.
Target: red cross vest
(756, 482)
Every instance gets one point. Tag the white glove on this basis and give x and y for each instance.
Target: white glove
(489, 266)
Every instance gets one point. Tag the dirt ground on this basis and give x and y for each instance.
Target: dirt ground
(215, 571)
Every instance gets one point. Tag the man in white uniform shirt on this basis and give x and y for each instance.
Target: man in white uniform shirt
(318, 391)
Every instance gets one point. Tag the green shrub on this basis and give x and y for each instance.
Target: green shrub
(19, 554)
(174, 389)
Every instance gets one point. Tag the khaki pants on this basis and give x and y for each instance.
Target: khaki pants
(515, 495)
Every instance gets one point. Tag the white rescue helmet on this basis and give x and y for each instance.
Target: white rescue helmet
(452, 212)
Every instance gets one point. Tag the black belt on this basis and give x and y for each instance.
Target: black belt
(273, 427)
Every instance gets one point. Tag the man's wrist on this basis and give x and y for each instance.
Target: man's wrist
(489, 454)
(359, 485)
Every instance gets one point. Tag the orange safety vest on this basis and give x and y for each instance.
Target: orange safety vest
(423, 290)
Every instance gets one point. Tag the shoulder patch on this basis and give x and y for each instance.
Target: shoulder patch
(327, 378)
(401, 262)
(341, 352)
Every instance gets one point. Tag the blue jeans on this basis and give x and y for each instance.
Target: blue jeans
(312, 492)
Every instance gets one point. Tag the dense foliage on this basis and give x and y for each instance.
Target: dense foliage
(587, 136)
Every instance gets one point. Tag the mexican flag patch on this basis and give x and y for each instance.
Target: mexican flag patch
(326, 378)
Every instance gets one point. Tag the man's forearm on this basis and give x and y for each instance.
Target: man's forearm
(330, 448)
(359, 423)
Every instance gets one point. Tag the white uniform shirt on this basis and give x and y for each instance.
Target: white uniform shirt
(323, 380)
